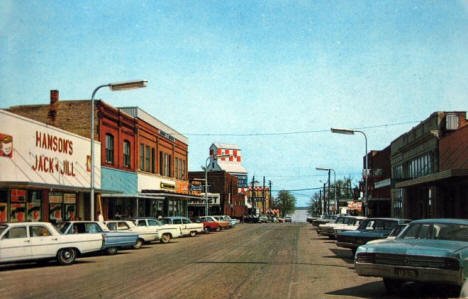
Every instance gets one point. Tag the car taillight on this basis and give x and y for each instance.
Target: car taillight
(365, 257)
(452, 264)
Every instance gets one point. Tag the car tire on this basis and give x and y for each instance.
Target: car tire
(165, 238)
(206, 229)
(218, 228)
(193, 233)
(66, 256)
(138, 244)
(111, 251)
(392, 285)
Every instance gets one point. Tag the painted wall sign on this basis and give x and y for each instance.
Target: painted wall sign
(45, 154)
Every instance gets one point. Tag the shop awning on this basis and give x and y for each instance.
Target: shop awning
(136, 195)
(173, 194)
(433, 178)
(52, 187)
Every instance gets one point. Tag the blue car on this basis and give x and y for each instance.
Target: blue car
(428, 250)
(369, 229)
(112, 240)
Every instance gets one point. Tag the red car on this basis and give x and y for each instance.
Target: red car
(208, 225)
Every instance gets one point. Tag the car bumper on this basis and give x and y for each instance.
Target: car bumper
(347, 245)
(410, 273)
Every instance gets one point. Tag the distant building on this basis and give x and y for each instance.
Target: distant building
(228, 157)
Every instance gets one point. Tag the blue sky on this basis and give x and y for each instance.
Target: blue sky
(231, 71)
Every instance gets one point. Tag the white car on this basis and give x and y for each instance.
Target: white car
(40, 241)
(166, 231)
(187, 227)
(145, 234)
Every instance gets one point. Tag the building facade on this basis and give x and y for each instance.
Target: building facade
(45, 171)
(144, 161)
(379, 183)
(228, 200)
(416, 173)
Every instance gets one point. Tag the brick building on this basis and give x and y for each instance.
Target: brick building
(144, 161)
(428, 168)
(220, 182)
(379, 183)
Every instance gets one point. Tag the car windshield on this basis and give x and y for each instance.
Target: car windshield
(2, 228)
(62, 227)
(436, 231)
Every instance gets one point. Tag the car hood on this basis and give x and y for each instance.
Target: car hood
(364, 233)
(416, 247)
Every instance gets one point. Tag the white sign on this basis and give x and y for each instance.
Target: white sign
(46, 155)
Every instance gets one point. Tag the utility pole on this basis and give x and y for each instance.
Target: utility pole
(328, 196)
(263, 195)
(325, 199)
(269, 183)
(253, 195)
(320, 202)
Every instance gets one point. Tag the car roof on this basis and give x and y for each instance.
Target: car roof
(442, 220)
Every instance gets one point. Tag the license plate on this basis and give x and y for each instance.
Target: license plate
(406, 273)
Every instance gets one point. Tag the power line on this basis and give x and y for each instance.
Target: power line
(296, 132)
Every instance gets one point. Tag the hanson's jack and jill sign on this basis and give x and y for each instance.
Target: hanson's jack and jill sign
(33, 152)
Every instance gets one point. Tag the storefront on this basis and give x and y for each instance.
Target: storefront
(45, 171)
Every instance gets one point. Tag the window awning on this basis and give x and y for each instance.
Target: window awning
(433, 178)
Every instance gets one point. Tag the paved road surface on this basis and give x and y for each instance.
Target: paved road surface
(249, 261)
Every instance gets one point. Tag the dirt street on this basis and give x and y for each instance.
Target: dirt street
(248, 261)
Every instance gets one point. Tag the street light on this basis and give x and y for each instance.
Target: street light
(113, 87)
(351, 132)
(215, 157)
(334, 180)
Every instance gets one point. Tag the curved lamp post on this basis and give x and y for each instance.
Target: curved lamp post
(113, 87)
(351, 132)
(334, 182)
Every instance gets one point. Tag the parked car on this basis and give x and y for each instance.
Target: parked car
(351, 225)
(224, 224)
(232, 222)
(323, 219)
(112, 240)
(209, 225)
(41, 241)
(166, 232)
(145, 234)
(369, 229)
(428, 250)
(263, 219)
(327, 229)
(287, 219)
(188, 228)
(393, 234)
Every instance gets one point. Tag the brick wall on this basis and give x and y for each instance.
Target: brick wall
(453, 149)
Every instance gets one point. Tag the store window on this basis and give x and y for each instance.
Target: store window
(109, 149)
(55, 206)
(126, 154)
(34, 207)
(62, 206)
(142, 156)
(147, 156)
(18, 205)
(3, 205)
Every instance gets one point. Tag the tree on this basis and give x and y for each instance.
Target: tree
(314, 205)
(285, 202)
